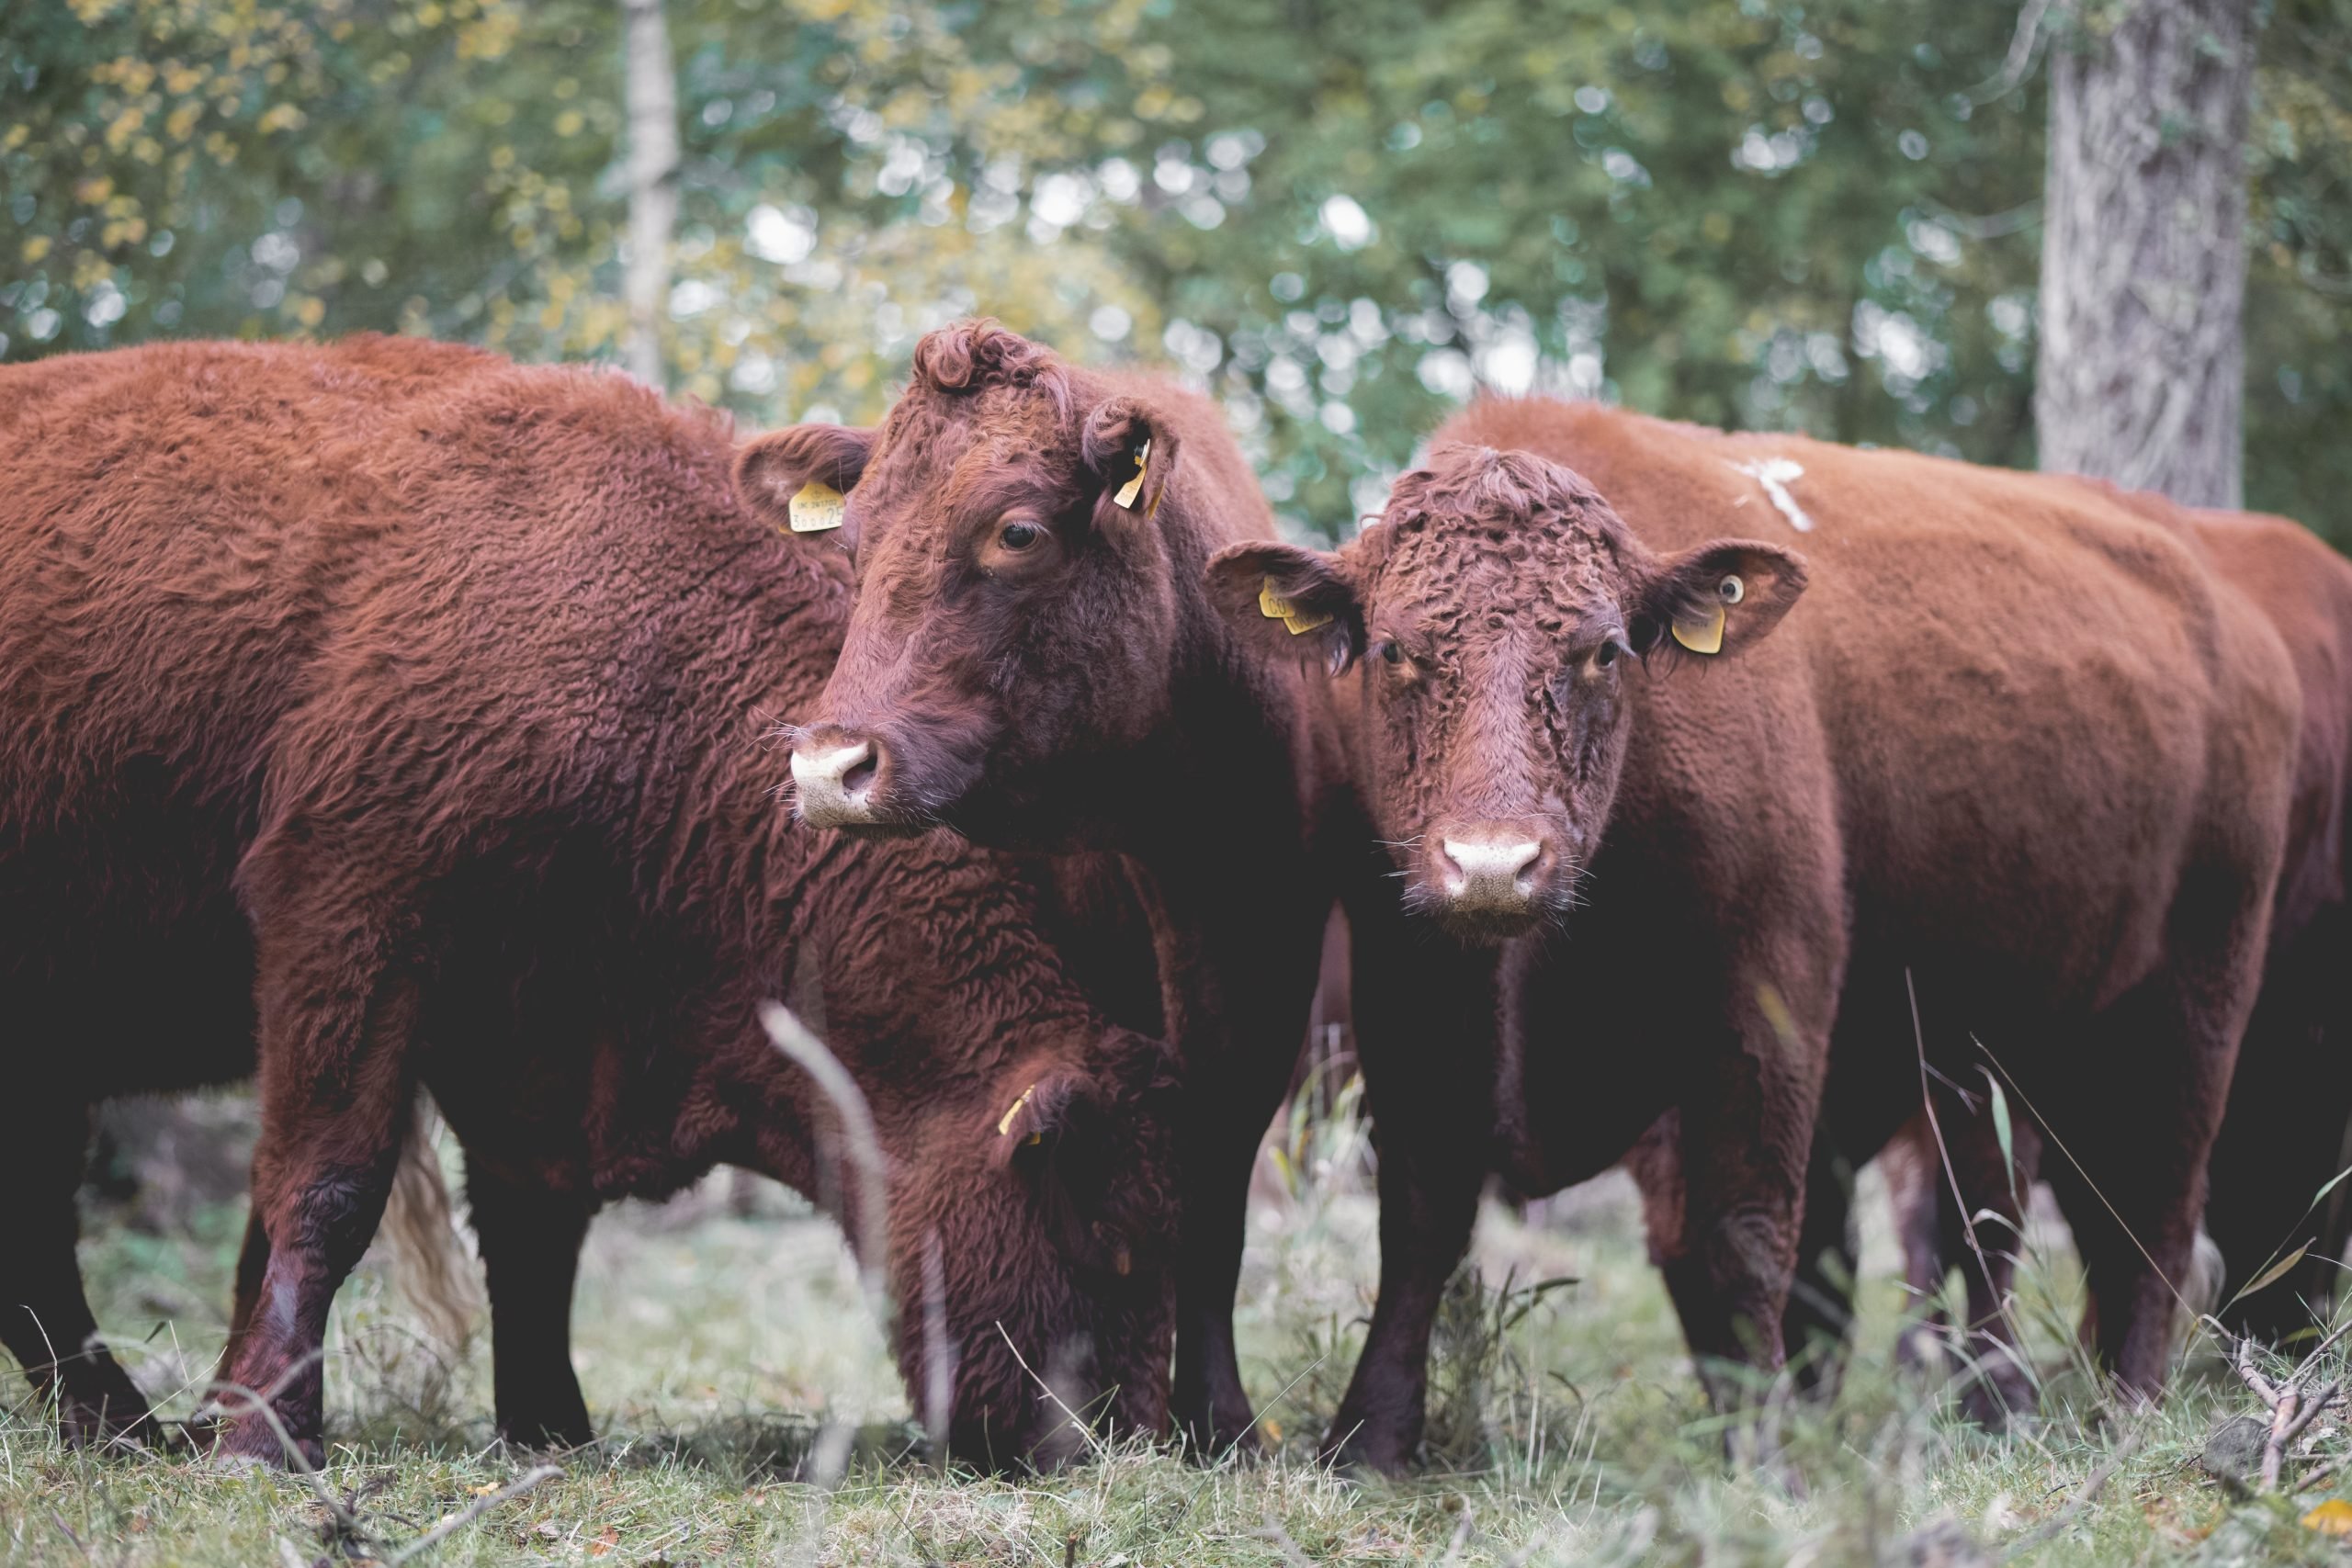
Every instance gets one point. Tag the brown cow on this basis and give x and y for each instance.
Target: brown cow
(401, 703)
(2284, 1136)
(2019, 753)
(1034, 661)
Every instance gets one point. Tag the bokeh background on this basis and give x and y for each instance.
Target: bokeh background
(1341, 217)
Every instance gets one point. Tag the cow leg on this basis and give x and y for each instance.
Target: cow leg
(1748, 1140)
(530, 1249)
(1820, 1313)
(336, 1101)
(1820, 1317)
(2285, 1137)
(1240, 986)
(2141, 1118)
(45, 1318)
(1935, 1229)
(1426, 1035)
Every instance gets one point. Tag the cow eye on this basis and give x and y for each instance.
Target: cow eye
(1391, 654)
(1019, 536)
(1731, 588)
(1607, 653)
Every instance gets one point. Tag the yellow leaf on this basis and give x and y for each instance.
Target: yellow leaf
(2331, 1517)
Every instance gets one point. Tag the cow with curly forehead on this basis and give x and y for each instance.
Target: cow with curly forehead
(389, 715)
(1035, 661)
(1802, 773)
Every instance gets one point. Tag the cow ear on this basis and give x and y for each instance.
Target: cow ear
(1038, 1115)
(1131, 453)
(1715, 599)
(798, 480)
(1279, 599)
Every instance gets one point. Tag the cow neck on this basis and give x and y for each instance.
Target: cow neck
(1230, 775)
(718, 865)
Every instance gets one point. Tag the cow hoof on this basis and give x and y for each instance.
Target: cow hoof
(1370, 1462)
(249, 1445)
(1215, 1441)
(548, 1437)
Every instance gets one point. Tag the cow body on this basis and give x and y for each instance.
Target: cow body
(2283, 1139)
(2014, 770)
(1034, 661)
(400, 706)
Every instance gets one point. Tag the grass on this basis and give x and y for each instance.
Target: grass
(751, 1416)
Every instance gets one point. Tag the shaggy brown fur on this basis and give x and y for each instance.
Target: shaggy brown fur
(405, 705)
(2015, 747)
(1035, 664)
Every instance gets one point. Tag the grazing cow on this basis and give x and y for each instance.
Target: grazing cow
(1033, 662)
(400, 706)
(2284, 1136)
(2015, 768)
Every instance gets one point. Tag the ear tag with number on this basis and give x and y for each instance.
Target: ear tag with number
(1274, 607)
(1004, 1122)
(817, 507)
(1133, 487)
(1703, 637)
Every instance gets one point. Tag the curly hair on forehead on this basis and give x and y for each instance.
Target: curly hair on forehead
(1480, 484)
(972, 355)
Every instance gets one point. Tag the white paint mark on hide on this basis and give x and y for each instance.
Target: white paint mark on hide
(1774, 474)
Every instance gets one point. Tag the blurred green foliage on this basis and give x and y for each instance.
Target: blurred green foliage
(1340, 217)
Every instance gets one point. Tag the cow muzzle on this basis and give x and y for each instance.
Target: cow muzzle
(835, 778)
(1489, 873)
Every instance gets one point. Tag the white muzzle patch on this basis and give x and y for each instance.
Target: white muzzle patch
(824, 800)
(1486, 873)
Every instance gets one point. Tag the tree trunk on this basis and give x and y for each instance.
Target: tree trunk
(649, 89)
(2142, 360)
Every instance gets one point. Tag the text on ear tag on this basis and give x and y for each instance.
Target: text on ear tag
(817, 506)
(1703, 637)
(1004, 1122)
(1274, 607)
(1133, 487)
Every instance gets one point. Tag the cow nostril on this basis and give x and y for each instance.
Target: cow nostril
(858, 777)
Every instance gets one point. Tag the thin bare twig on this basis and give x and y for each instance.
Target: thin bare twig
(2059, 1522)
(468, 1513)
(2025, 45)
(2291, 1413)
(865, 1145)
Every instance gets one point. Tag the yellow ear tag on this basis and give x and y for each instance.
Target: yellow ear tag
(1706, 637)
(1004, 1122)
(817, 506)
(1274, 607)
(1133, 487)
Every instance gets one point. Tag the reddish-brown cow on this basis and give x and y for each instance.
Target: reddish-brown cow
(401, 703)
(2019, 752)
(2283, 1137)
(1034, 661)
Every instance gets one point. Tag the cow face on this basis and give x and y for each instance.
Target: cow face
(1015, 598)
(1032, 1236)
(1505, 615)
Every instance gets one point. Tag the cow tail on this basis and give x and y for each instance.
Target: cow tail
(430, 1260)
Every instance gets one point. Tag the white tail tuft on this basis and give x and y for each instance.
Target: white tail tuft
(430, 1259)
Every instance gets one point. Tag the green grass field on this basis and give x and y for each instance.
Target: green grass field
(751, 1415)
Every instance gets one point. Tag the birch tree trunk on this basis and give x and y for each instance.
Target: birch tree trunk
(2140, 376)
(649, 91)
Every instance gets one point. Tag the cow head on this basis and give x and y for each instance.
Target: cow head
(1032, 1231)
(1015, 595)
(1504, 613)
